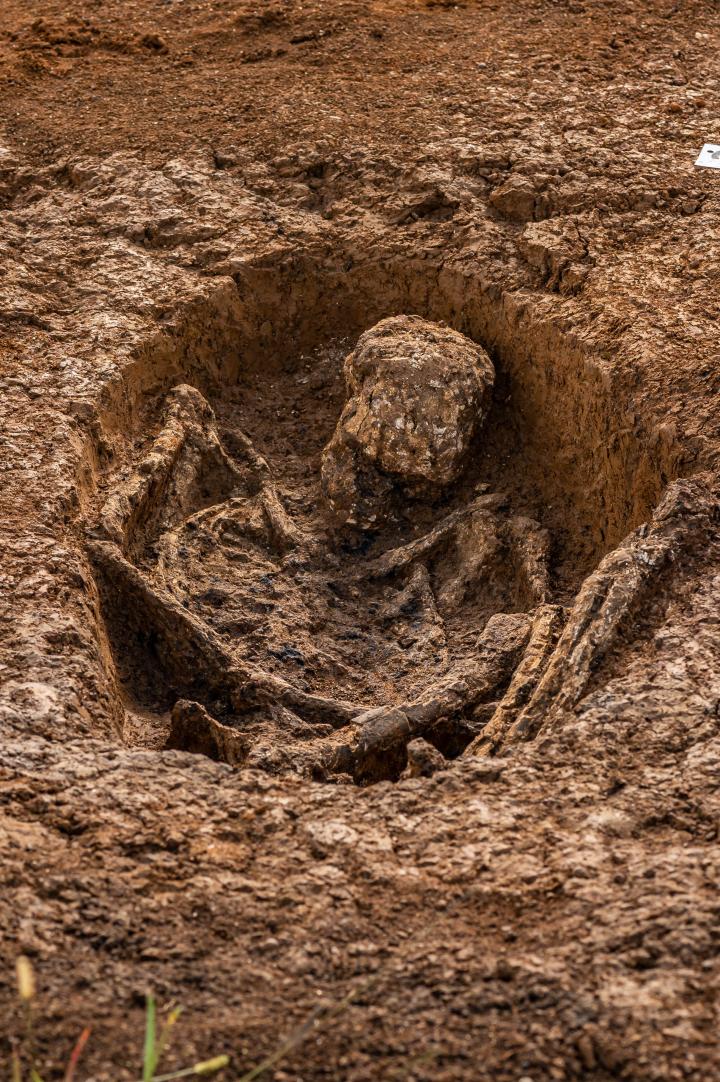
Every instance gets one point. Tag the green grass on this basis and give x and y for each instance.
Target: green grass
(23, 1063)
(157, 1038)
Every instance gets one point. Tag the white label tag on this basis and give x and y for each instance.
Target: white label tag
(709, 156)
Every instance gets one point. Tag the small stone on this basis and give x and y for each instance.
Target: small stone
(423, 760)
(193, 729)
(503, 970)
(586, 1051)
(153, 42)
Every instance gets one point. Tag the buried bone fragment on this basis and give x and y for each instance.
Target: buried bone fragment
(417, 393)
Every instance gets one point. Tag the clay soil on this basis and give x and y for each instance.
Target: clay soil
(227, 194)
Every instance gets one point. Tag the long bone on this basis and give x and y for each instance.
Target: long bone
(186, 447)
(398, 558)
(479, 537)
(547, 624)
(187, 462)
(624, 578)
(378, 751)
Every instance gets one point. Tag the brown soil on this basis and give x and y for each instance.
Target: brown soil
(226, 196)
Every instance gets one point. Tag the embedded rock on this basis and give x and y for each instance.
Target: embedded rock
(515, 199)
(424, 760)
(417, 392)
(193, 729)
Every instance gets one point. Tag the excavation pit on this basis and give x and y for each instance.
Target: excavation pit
(244, 624)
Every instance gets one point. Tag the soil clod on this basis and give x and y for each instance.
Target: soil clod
(417, 393)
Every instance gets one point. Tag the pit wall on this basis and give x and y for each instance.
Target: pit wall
(591, 452)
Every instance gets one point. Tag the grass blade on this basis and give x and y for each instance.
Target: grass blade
(76, 1053)
(25, 978)
(208, 1066)
(165, 1034)
(149, 1053)
(322, 1014)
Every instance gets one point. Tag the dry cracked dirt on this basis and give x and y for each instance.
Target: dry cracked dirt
(348, 666)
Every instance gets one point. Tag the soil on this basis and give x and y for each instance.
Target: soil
(225, 196)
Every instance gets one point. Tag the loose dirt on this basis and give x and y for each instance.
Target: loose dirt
(254, 761)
